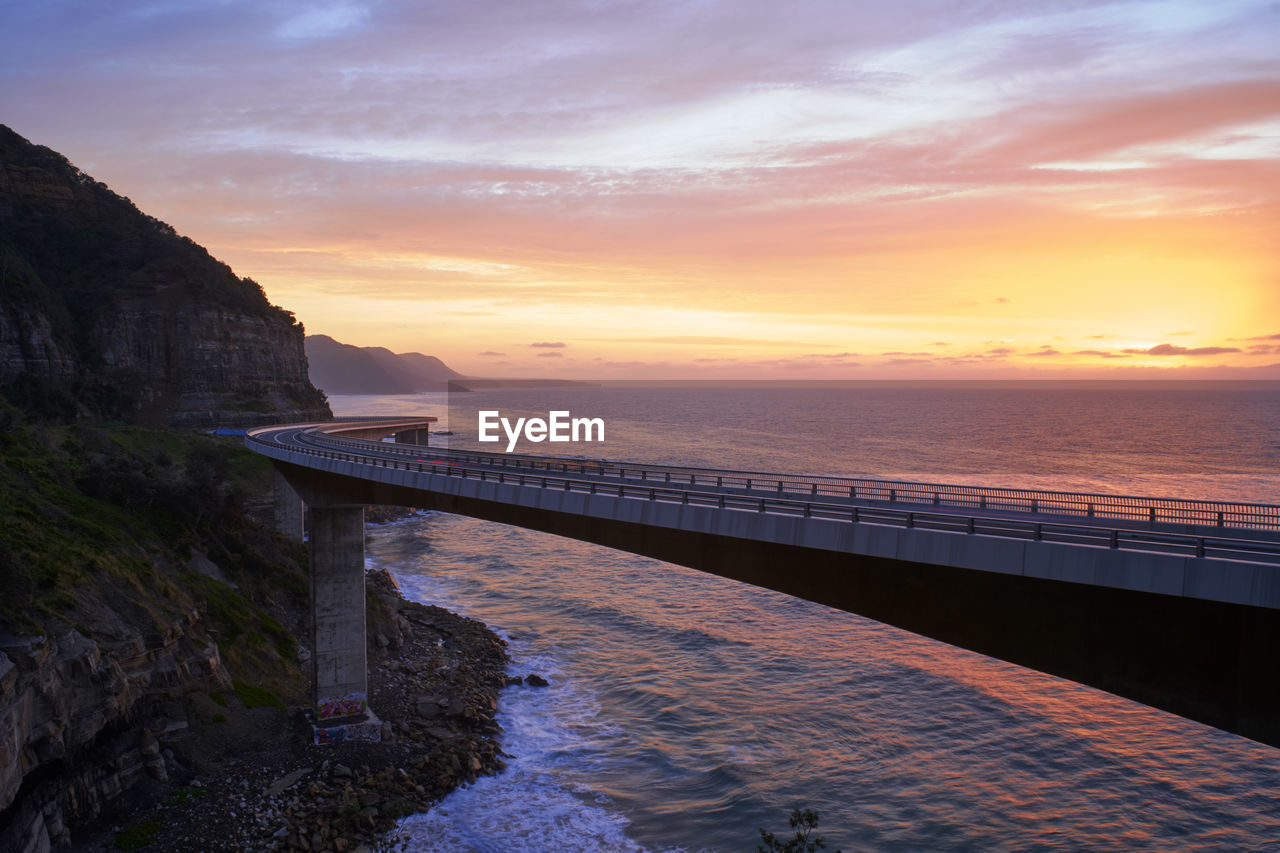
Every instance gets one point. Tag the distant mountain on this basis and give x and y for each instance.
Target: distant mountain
(339, 368)
(108, 312)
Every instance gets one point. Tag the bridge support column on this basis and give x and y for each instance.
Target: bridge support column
(413, 436)
(340, 680)
(288, 509)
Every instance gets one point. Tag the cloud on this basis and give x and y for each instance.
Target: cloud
(1178, 334)
(1000, 352)
(1045, 350)
(879, 161)
(323, 21)
(1259, 338)
(1059, 132)
(550, 355)
(1263, 349)
(1171, 349)
(549, 344)
(709, 341)
(491, 354)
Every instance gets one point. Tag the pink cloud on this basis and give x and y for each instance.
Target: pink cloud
(1171, 349)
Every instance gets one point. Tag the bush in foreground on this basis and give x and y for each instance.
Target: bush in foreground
(803, 822)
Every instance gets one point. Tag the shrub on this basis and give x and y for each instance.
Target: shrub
(256, 697)
(803, 822)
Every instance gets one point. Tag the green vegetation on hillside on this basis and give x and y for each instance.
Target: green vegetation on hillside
(147, 525)
(71, 243)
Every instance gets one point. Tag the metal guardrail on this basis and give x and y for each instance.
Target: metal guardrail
(1223, 514)
(1064, 533)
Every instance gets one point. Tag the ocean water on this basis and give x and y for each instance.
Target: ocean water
(687, 711)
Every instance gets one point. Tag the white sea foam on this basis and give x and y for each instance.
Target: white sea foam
(519, 810)
(535, 804)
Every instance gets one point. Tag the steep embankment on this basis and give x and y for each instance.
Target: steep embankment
(133, 579)
(148, 618)
(107, 311)
(148, 640)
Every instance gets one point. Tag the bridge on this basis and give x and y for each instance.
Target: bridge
(1174, 603)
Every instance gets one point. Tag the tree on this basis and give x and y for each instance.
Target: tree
(803, 822)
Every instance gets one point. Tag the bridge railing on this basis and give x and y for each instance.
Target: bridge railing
(1220, 547)
(1145, 510)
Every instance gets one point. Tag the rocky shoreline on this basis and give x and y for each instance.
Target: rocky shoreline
(257, 783)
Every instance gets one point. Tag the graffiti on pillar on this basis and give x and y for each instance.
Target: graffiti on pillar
(367, 731)
(333, 734)
(350, 705)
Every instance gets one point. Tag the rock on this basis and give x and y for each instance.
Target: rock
(535, 680)
(342, 771)
(202, 564)
(278, 786)
(512, 681)
(148, 746)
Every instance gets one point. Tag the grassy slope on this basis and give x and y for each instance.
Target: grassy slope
(120, 516)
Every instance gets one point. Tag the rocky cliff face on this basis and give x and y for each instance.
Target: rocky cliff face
(203, 366)
(82, 722)
(104, 310)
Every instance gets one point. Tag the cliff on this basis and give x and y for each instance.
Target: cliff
(340, 368)
(135, 580)
(152, 690)
(105, 311)
(84, 722)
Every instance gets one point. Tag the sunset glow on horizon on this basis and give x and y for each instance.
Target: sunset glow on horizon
(718, 190)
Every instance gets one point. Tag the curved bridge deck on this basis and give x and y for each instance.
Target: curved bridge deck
(1174, 603)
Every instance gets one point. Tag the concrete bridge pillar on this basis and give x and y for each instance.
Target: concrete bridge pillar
(340, 681)
(288, 509)
(413, 436)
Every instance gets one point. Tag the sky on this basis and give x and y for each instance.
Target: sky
(702, 189)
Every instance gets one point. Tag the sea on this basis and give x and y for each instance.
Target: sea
(687, 712)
